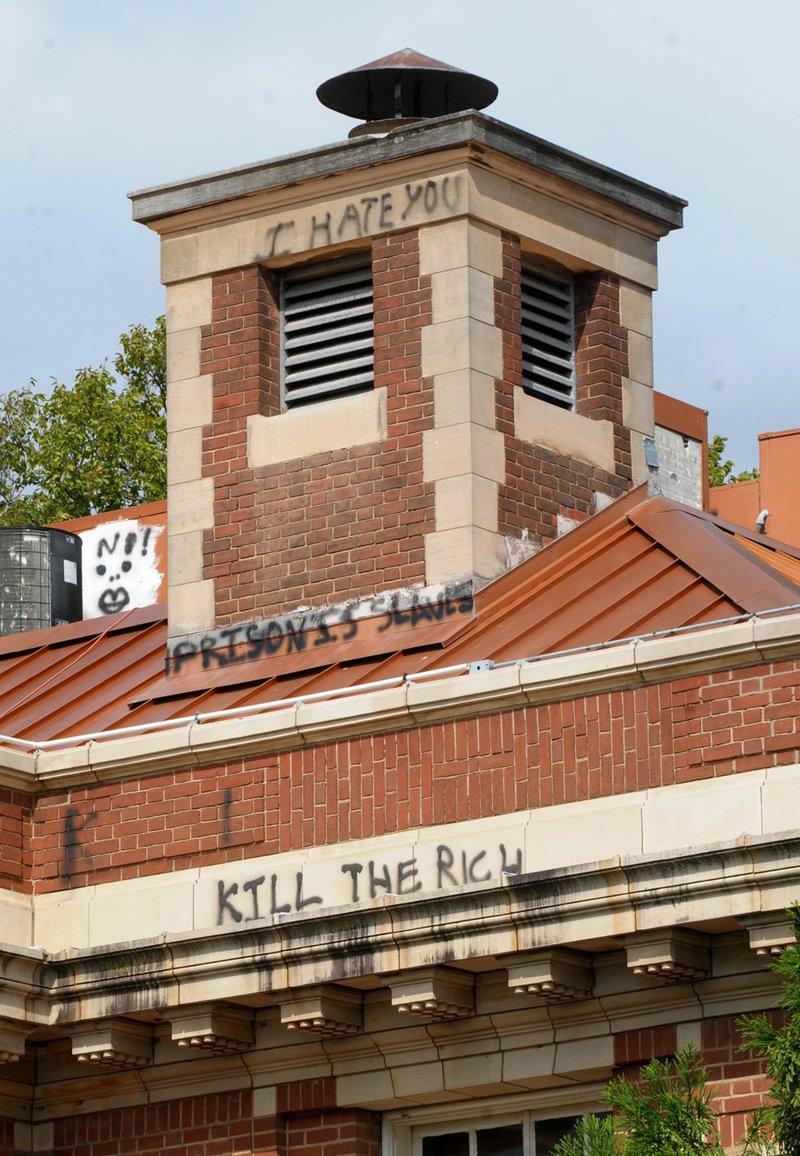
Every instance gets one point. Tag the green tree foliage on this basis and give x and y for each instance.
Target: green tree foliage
(720, 468)
(666, 1112)
(96, 445)
(592, 1136)
(776, 1128)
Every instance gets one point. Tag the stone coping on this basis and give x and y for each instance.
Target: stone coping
(439, 133)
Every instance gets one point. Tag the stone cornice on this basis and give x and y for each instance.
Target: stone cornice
(143, 991)
(264, 960)
(155, 205)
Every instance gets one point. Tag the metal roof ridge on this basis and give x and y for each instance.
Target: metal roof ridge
(738, 531)
(706, 548)
(552, 553)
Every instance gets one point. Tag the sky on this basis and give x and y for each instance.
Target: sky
(697, 97)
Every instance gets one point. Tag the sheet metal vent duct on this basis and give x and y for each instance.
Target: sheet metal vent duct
(40, 578)
(401, 89)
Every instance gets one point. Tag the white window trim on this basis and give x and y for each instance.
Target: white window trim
(403, 1128)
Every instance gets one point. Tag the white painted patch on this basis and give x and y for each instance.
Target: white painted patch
(679, 475)
(565, 524)
(120, 570)
(601, 501)
(518, 549)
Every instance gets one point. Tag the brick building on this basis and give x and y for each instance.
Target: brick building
(766, 502)
(457, 774)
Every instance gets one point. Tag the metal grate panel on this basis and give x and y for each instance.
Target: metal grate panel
(548, 338)
(327, 335)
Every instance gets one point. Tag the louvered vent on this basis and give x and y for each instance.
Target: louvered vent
(548, 338)
(327, 335)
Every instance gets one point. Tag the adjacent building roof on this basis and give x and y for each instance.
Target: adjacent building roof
(770, 496)
(642, 566)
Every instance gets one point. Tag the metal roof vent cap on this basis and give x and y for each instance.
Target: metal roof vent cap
(402, 89)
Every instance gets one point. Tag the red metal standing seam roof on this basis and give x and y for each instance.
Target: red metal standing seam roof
(641, 566)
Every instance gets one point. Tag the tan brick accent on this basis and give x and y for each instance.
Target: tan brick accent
(190, 496)
(463, 454)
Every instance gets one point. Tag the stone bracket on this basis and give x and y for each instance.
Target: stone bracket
(436, 992)
(671, 956)
(114, 1044)
(215, 1029)
(557, 975)
(770, 937)
(12, 1042)
(325, 1011)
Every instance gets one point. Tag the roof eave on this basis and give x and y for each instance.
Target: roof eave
(436, 134)
(283, 726)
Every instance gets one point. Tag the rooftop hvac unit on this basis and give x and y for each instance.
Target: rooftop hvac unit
(40, 578)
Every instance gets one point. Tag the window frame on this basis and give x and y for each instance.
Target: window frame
(403, 1129)
(472, 1125)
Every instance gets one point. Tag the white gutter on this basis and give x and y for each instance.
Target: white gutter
(396, 703)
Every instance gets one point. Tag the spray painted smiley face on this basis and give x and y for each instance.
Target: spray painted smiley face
(114, 599)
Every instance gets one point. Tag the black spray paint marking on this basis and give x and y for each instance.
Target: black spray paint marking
(115, 570)
(367, 214)
(75, 847)
(291, 894)
(368, 880)
(273, 636)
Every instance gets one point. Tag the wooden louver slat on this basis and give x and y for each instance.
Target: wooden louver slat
(548, 338)
(327, 346)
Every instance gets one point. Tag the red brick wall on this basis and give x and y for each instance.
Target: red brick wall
(219, 1124)
(643, 1044)
(330, 526)
(735, 1076)
(587, 747)
(213, 1125)
(541, 484)
(241, 348)
(127, 829)
(306, 1095)
(334, 1133)
(15, 834)
(344, 524)
(601, 359)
